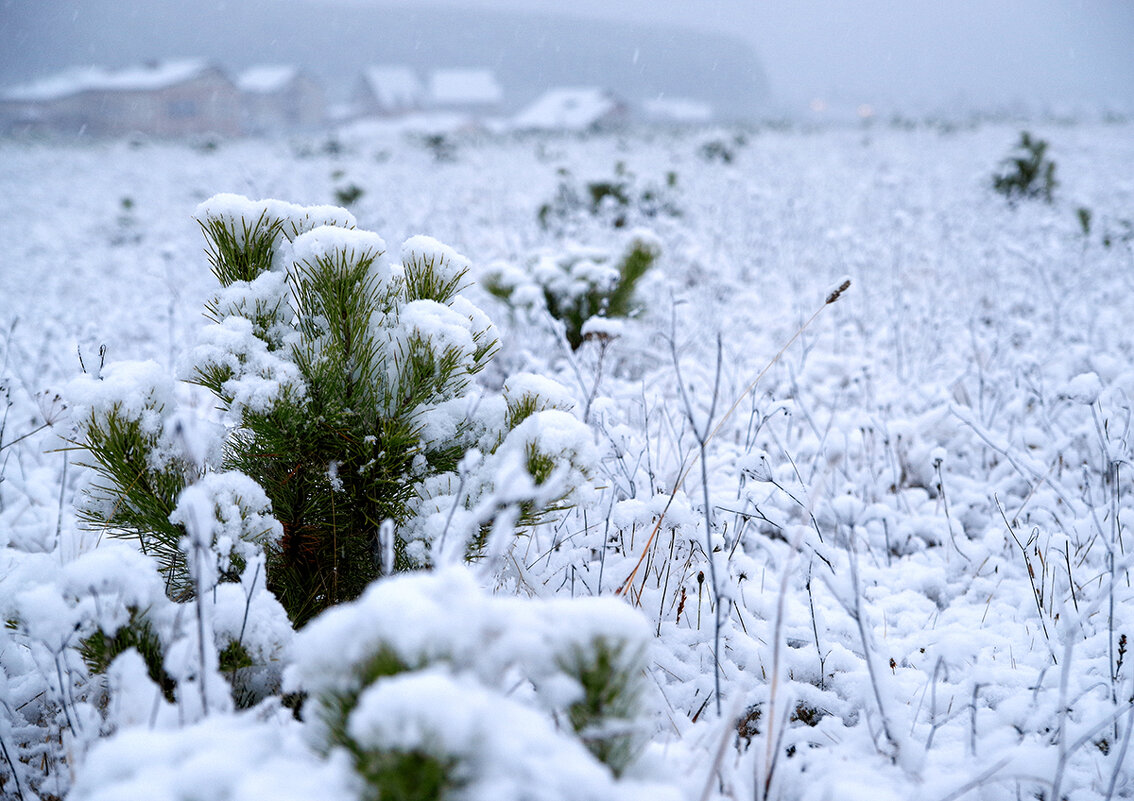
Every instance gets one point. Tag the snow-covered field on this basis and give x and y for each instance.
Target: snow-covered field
(917, 513)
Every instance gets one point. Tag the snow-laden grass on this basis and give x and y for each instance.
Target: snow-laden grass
(917, 515)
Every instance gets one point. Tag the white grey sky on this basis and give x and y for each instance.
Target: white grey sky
(934, 52)
(901, 56)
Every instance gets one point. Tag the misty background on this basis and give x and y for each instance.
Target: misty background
(744, 58)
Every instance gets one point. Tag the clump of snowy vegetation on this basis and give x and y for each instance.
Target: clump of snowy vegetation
(348, 194)
(722, 149)
(872, 548)
(619, 201)
(423, 688)
(1028, 172)
(351, 420)
(576, 285)
(365, 666)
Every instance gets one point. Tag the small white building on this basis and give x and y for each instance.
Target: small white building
(469, 91)
(678, 111)
(572, 109)
(176, 98)
(386, 91)
(280, 98)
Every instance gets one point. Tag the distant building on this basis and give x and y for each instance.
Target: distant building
(678, 110)
(572, 109)
(387, 91)
(280, 98)
(468, 91)
(160, 99)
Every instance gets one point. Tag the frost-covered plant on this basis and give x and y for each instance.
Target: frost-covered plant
(139, 462)
(50, 613)
(722, 149)
(420, 678)
(346, 383)
(100, 649)
(1121, 233)
(576, 285)
(1084, 216)
(424, 688)
(126, 231)
(1028, 172)
(618, 201)
(93, 646)
(349, 194)
(604, 717)
(441, 147)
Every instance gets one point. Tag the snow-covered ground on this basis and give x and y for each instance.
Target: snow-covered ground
(917, 513)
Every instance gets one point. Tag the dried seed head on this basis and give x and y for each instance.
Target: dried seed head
(843, 287)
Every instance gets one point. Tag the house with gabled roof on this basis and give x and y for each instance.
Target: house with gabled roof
(388, 90)
(577, 109)
(176, 98)
(469, 91)
(678, 111)
(277, 98)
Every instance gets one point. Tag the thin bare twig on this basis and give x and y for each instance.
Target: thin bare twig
(701, 433)
(831, 298)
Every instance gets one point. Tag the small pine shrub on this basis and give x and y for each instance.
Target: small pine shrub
(578, 285)
(390, 774)
(722, 149)
(126, 231)
(1121, 233)
(410, 775)
(349, 195)
(610, 675)
(100, 649)
(441, 147)
(132, 494)
(346, 383)
(1028, 172)
(335, 704)
(1114, 230)
(1083, 215)
(618, 201)
(429, 688)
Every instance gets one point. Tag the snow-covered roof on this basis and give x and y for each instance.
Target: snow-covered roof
(678, 109)
(81, 79)
(394, 86)
(464, 86)
(370, 129)
(567, 109)
(266, 78)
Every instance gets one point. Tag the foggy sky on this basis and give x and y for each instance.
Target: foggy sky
(902, 55)
(922, 51)
(915, 53)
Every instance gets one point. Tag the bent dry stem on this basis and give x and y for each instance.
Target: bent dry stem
(628, 582)
(703, 442)
(702, 435)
